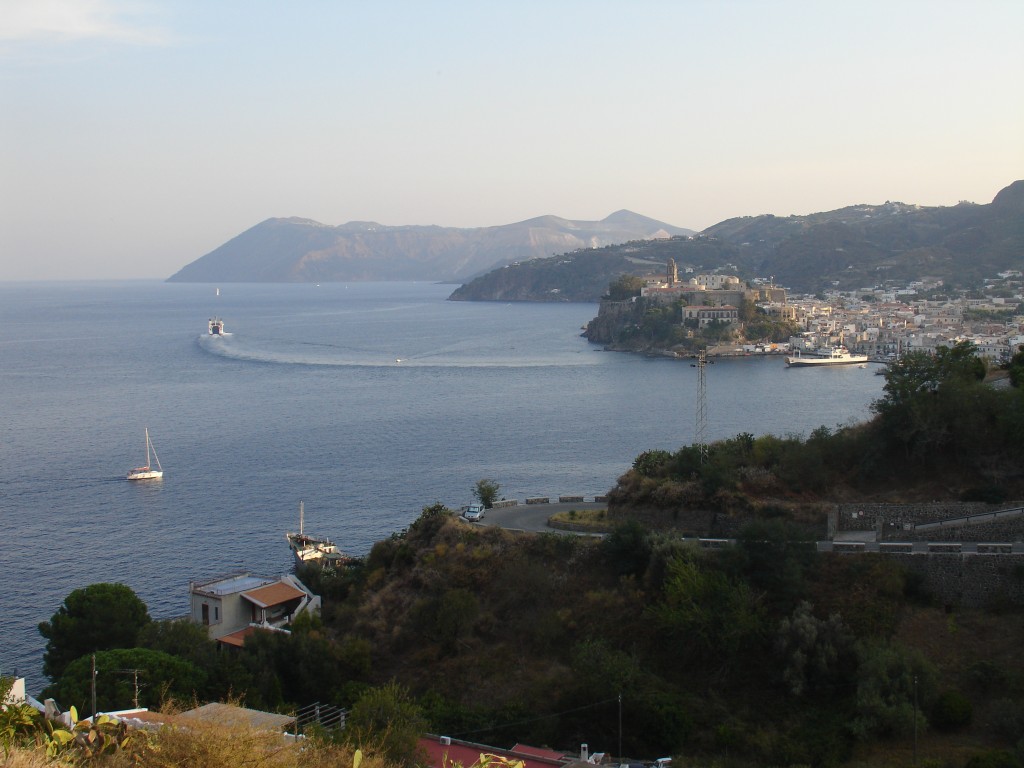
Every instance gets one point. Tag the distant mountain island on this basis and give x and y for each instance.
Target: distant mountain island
(854, 247)
(295, 250)
(554, 259)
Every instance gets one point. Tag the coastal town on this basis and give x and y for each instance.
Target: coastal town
(884, 321)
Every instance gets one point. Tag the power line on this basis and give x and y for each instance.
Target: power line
(135, 675)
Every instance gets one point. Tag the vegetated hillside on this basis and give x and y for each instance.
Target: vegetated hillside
(584, 275)
(302, 250)
(940, 432)
(865, 245)
(767, 654)
(854, 247)
(577, 276)
(639, 645)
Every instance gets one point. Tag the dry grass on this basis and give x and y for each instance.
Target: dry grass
(24, 758)
(591, 520)
(203, 745)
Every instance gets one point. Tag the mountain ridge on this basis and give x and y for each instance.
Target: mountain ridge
(853, 247)
(298, 249)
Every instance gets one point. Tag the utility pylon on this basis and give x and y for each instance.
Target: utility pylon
(701, 430)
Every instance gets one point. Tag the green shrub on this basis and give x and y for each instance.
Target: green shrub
(995, 758)
(989, 494)
(1006, 719)
(952, 711)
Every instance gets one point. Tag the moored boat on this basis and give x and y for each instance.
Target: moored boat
(839, 355)
(315, 550)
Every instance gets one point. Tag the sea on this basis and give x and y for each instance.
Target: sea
(364, 401)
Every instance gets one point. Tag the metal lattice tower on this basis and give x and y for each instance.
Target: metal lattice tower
(701, 431)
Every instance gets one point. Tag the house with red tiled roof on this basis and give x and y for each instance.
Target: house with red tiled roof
(233, 607)
(444, 752)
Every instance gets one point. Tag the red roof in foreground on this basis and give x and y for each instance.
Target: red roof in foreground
(466, 753)
(547, 754)
(237, 638)
(273, 594)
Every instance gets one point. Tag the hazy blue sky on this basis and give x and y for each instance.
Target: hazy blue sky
(138, 135)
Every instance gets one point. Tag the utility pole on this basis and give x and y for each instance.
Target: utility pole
(620, 727)
(915, 719)
(94, 673)
(135, 675)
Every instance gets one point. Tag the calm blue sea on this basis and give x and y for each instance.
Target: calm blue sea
(364, 401)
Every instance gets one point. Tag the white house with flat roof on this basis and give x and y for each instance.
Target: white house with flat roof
(232, 607)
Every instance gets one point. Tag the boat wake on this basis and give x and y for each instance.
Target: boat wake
(324, 354)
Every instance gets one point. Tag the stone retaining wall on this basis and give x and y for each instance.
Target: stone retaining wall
(897, 521)
(564, 499)
(978, 580)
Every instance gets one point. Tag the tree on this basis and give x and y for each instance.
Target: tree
(922, 392)
(387, 718)
(487, 492)
(96, 618)
(810, 648)
(894, 685)
(628, 548)
(919, 373)
(703, 612)
(625, 287)
(159, 675)
(1017, 368)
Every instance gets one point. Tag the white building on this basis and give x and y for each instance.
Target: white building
(706, 315)
(231, 607)
(716, 282)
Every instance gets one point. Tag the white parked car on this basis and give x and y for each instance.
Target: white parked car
(474, 512)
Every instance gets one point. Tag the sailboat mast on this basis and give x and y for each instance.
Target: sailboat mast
(302, 514)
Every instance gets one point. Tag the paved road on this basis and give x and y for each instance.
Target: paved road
(532, 517)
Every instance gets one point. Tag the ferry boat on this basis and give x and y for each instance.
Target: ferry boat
(825, 356)
(216, 326)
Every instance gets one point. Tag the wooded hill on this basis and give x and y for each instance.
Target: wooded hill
(859, 246)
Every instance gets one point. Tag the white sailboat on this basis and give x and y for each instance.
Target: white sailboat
(147, 472)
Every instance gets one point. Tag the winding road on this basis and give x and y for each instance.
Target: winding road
(533, 517)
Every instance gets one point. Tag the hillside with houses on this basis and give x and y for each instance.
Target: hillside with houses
(669, 314)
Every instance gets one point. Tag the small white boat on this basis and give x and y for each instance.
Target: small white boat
(147, 472)
(216, 326)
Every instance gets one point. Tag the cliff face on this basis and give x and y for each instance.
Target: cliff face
(612, 317)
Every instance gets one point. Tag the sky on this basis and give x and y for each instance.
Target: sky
(137, 135)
